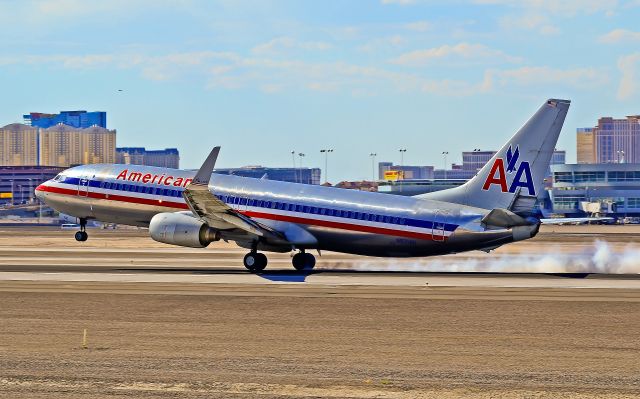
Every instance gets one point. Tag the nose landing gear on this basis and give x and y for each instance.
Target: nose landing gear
(82, 234)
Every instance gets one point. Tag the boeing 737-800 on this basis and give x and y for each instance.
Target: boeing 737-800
(195, 209)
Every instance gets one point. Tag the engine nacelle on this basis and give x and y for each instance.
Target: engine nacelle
(181, 229)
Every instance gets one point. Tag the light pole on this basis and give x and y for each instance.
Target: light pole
(444, 154)
(301, 155)
(373, 156)
(326, 152)
(402, 151)
(30, 191)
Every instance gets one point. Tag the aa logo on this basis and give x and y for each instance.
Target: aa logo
(498, 174)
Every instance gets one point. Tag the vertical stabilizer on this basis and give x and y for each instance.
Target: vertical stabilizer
(514, 177)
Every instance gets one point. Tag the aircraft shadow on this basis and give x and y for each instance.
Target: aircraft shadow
(291, 276)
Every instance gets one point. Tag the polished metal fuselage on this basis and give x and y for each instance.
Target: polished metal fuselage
(348, 221)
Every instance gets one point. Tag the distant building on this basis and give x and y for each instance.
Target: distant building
(418, 186)
(475, 160)
(63, 145)
(464, 174)
(17, 183)
(60, 145)
(130, 155)
(293, 175)
(77, 119)
(363, 185)
(472, 162)
(585, 147)
(615, 186)
(408, 171)
(383, 167)
(559, 157)
(167, 158)
(611, 141)
(19, 145)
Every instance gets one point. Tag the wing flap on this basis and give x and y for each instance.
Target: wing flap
(216, 213)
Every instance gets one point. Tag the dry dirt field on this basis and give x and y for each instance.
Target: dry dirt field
(303, 340)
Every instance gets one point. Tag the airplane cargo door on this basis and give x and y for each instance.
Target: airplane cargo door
(438, 226)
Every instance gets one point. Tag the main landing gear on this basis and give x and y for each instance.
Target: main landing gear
(82, 234)
(303, 261)
(255, 261)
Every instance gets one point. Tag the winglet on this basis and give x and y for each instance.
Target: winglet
(204, 174)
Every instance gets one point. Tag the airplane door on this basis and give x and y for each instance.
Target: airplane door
(438, 226)
(83, 186)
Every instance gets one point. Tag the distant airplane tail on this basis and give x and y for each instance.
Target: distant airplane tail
(514, 177)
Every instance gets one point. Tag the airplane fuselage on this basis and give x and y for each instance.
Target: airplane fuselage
(348, 221)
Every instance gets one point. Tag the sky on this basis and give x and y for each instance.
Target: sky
(264, 78)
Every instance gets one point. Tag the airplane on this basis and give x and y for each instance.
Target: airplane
(189, 209)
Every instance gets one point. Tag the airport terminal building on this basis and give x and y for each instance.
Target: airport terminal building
(615, 186)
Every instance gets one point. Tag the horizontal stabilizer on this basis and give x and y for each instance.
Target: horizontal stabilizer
(503, 218)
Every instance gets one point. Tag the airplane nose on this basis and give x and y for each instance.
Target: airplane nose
(39, 192)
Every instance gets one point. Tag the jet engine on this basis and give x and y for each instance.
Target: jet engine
(181, 229)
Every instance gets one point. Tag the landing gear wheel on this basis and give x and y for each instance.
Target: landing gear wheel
(303, 261)
(81, 236)
(255, 262)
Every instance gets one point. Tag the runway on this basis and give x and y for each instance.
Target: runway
(165, 321)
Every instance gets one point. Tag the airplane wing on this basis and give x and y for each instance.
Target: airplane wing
(208, 208)
(557, 221)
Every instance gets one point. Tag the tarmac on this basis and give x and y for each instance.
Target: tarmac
(165, 321)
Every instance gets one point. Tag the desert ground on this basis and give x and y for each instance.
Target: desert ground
(168, 322)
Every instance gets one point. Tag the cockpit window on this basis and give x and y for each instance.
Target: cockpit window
(59, 177)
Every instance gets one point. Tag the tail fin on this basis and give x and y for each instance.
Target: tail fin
(514, 177)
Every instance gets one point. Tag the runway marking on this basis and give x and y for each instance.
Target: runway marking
(332, 279)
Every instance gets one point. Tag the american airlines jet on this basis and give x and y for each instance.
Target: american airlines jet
(195, 209)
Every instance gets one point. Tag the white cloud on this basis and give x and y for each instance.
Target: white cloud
(384, 43)
(629, 66)
(399, 2)
(281, 44)
(418, 26)
(232, 71)
(537, 22)
(619, 36)
(465, 51)
(564, 7)
(579, 78)
(50, 13)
